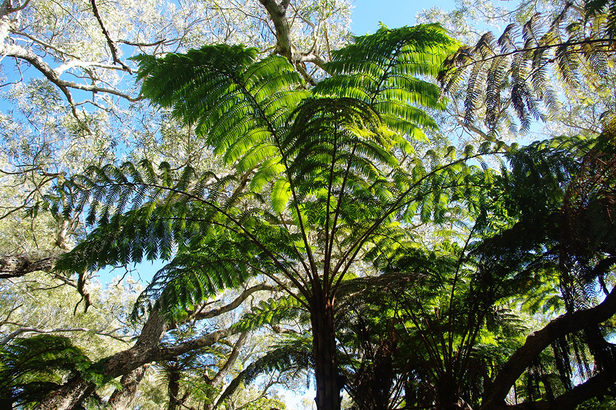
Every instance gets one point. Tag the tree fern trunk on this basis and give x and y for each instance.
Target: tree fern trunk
(173, 388)
(324, 350)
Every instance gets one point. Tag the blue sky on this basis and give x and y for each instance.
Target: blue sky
(393, 13)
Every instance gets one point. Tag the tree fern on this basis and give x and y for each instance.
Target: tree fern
(317, 180)
(385, 71)
(530, 61)
(31, 368)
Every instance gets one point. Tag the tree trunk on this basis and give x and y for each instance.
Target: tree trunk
(122, 398)
(537, 341)
(324, 351)
(69, 396)
(173, 387)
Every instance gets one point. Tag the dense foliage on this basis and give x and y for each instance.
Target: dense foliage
(312, 222)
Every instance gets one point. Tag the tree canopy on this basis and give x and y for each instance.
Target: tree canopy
(312, 217)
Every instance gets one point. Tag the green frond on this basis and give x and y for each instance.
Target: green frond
(238, 103)
(163, 214)
(220, 256)
(473, 93)
(270, 312)
(191, 279)
(269, 171)
(384, 67)
(31, 368)
(507, 40)
(495, 82)
(527, 62)
(607, 8)
(522, 99)
(531, 31)
(336, 140)
(281, 194)
(568, 64)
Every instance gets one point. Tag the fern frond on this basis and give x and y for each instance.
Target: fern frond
(529, 61)
(384, 68)
(507, 40)
(237, 102)
(32, 368)
(270, 312)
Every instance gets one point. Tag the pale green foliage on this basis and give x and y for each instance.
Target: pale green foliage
(50, 127)
(40, 303)
(470, 18)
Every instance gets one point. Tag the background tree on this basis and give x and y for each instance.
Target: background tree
(69, 99)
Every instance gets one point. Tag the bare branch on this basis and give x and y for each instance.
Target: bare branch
(200, 315)
(53, 76)
(19, 8)
(222, 373)
(23, 330)
(87, 64)
(46, 44)
(20, 52)
(15, 266)
(112, 47)
(136, 44)
(312, 58)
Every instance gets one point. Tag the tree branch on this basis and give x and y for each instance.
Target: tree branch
(18, 266)
(122, 398)
(112, 47)
(199, 315)
(22, 330)
(277, 13)
(53, 76)
(222, 373)
(593, 387)
(146, 350)
(537, 341)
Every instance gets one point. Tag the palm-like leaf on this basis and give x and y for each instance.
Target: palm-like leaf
(31, 368)
(238, 103)
(386, 71)
(530, 61)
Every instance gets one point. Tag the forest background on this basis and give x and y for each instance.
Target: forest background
(411, 220)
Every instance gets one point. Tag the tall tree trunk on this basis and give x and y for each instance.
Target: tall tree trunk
(324, 351)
